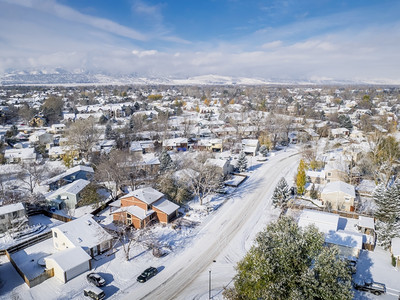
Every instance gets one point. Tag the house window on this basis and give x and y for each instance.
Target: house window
(329, 174)
(347, 199)
(14, 214)
(55, 234)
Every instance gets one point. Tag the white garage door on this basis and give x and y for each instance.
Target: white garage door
(77, 270)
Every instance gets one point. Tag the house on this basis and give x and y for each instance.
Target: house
(177, 144)
(57, 128)
(84, 233)
(68, 195)
(69, 263)
(41, 137)
(223, 164)
(250, 146)
(340, 132)
(23, 155)
(142, 147)
(335, 170)
(12, 216)
(340, 195)
(70, 175)
(143, 206)
(213, 145)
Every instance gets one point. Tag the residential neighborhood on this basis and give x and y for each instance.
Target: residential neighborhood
(115, 179)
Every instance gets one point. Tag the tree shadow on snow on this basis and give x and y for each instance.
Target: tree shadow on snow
(110, 290)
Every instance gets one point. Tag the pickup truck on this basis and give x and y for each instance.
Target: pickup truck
(373, 287)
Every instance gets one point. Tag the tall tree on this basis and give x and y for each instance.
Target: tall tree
(281, 195)
(241, 164)
(387, 200)
(52, 109)
(166, 162)
(287, 262)
(301, 178)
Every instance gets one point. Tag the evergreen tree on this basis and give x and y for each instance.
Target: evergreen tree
(108, 132)
(387, 201)
(290, 263)
(264, 150)
(281, 195)
(241, 164)
(313, 192)
(165, 161)
(301, 178)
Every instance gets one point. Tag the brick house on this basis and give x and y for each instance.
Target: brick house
(143, 206)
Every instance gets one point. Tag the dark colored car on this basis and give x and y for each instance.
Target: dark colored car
(352, 266)
(375, 288)
(147, 274)
(95, 279)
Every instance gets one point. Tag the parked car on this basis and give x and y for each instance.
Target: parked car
(375, 288)
(94, 293)
(147, 274)
(95, 279)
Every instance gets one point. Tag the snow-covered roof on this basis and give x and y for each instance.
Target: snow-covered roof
(148, 195)
(84, 232)
(69, 172)
(116, 203)
(396, 247)
(150, 159)
(216, 162)
(24, 153)
(325, 222)
(136, 211)
(69, 258)
(366, 222)
(339, 186)
(11, 208)
(250, 142)
(315, 174)
(174, 142)
(71, 188)
(166, 206)
(345, 238)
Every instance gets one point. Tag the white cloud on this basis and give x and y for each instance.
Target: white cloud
(144, 53)
(270, 45)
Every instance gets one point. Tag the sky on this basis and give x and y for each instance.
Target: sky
(269, 39)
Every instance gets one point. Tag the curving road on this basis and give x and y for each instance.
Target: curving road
(214, 237)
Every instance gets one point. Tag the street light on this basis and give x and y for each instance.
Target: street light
(209, 282)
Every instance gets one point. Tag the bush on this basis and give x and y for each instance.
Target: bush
(393, 261)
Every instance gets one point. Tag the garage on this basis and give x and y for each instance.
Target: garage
(69, 263)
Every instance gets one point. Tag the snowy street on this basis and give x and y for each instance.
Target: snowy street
(224, 238)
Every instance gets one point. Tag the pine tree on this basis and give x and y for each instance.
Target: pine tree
(166, 162)
(264, 150)
(388, 213)
(313, 192)
(241, 164)
(301, 178)
(287, 262)
(108, 132)
(281, 195)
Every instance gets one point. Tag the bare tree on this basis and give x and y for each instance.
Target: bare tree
(83, 135)
(31, 174)
(204, 180)
(129, 237)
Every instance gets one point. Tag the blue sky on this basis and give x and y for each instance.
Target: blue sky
(307, 39)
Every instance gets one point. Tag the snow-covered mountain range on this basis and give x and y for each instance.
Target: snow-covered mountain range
(79, 77)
